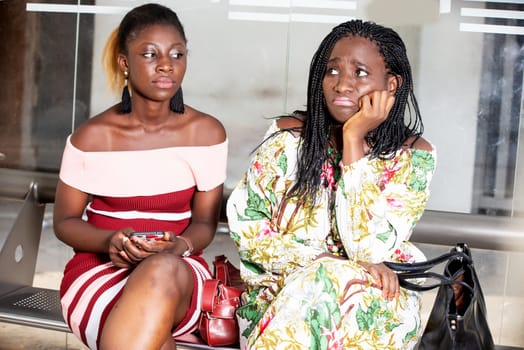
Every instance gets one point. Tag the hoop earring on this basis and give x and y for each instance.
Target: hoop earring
(176, 104)
(125, 105)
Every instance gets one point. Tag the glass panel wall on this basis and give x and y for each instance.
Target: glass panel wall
(248, 62)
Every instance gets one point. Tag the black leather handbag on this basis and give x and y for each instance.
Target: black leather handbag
(448, 328)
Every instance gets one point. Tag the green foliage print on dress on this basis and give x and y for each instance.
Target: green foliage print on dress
(282, 162)
(257, 207)
(325, 315)
(376, 319)
(251, 312)
(422, 163)
(411, 335)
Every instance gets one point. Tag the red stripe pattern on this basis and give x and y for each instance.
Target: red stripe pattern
(92, 285)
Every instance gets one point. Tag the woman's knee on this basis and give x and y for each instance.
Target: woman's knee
(166, 272)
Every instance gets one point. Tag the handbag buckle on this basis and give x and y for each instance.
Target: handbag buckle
(209, 317)
(453, 322)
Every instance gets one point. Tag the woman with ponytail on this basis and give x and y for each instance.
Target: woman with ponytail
(332, 193)
(148, 164)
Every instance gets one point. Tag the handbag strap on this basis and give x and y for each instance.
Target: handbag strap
(406, 272)
(221, 272)
(209, 294)
(405, 277)
(428, 264)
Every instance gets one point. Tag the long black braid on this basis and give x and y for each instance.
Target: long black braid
(318, 126)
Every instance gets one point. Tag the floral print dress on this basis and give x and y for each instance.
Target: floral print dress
(365, 211)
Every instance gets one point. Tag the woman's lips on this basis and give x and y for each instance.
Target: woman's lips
(164, 82)
(343, 102)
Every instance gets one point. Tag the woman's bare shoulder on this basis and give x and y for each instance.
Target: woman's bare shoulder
(95, 133)
(293, 122)
(418, 142)
(208, 130)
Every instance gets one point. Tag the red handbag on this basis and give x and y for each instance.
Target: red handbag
(219, 325)
(228, 273)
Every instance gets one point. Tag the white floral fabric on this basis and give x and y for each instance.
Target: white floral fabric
(366, 211)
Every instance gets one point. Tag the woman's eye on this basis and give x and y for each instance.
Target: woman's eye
(361, 73)
(149, 54)
(176, 54)
(332, 71)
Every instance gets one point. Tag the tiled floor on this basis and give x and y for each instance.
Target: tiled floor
(500, 273)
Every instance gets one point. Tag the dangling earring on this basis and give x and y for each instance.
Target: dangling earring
(125, 105)
(176, 104)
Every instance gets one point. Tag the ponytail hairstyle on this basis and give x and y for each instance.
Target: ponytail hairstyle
(133, 22)
(318, 126)
(115, 78)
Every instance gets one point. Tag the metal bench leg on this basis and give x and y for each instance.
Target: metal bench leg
(20, 250)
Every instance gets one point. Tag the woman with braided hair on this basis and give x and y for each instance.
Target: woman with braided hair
(332, 193)
(149, 163)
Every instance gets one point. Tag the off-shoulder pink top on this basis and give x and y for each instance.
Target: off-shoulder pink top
(147, 189)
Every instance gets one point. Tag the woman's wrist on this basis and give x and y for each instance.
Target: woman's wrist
(189, 245)
(353, 149)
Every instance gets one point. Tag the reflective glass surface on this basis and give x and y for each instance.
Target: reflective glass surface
(248, 62)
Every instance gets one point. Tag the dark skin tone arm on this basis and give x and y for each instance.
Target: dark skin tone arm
(374, 109)
(67, 218)
(72, 230)
(205, 211)
(385, 278)
(69, 206)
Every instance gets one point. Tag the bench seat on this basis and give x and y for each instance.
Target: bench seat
(23, 304)
(40, 307)
(33, 306)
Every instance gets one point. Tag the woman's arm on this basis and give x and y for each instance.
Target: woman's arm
(69, 226)
(205, 211)
(71, 229)
(205, 205)
(380, 201)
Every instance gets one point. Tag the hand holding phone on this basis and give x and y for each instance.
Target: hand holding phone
(149, 235)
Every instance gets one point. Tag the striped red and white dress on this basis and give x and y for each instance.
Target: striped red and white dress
(147, 190)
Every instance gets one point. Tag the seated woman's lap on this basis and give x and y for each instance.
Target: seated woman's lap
(92, 286)
(166, 279)
(332, 296)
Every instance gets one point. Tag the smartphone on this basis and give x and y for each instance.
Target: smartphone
(149, 235)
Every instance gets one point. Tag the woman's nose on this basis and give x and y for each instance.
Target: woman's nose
(164, 68)
(164, 65)
(345, 82)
